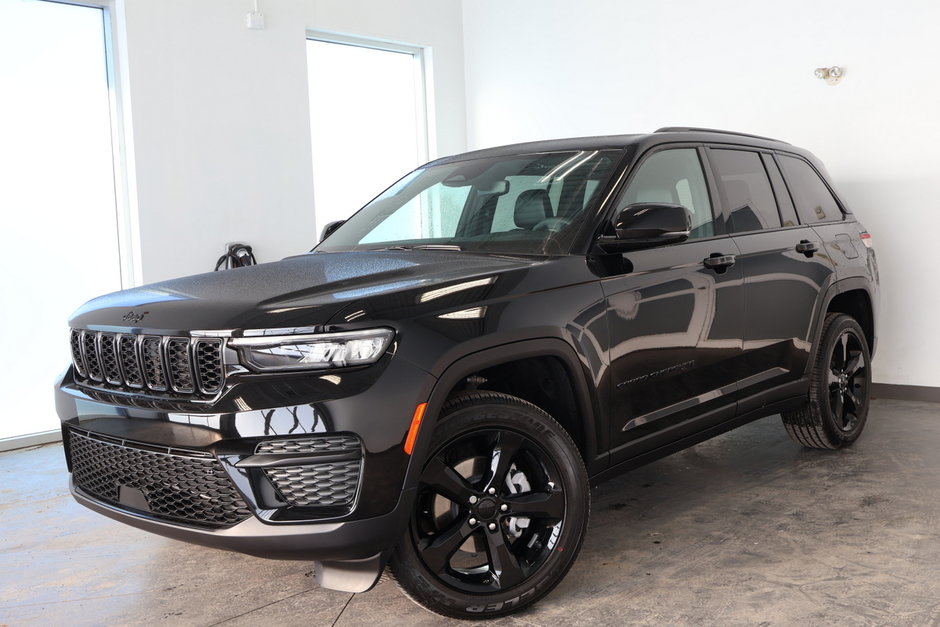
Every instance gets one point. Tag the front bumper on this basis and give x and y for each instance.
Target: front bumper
(185, 458)
(332, 541)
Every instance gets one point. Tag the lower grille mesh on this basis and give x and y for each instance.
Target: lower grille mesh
(321, 485)
(183, 486)
(330, 484)
(319, 444)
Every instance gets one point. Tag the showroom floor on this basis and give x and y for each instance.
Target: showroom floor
(745, 529)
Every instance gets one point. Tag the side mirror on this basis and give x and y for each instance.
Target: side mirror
(329, 228)
(647, 224)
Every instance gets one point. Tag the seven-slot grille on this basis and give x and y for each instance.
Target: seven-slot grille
(176, 484)
(177, 365)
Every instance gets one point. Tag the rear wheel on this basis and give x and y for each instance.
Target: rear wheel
(501, 510)
(840, 386)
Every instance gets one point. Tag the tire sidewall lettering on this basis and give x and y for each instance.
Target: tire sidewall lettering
(502, 605)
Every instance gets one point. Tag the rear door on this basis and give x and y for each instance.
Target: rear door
(784, 265)
(675, 324)
(818, 207)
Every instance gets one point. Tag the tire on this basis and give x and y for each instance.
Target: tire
(491, 534)
(840, 387)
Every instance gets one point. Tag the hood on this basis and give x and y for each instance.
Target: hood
(298, 291)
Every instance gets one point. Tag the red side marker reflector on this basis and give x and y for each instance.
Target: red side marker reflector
(415, 425)
(866, 239)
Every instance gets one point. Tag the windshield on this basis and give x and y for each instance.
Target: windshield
(529, 204)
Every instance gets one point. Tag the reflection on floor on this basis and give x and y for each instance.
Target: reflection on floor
(747, 528)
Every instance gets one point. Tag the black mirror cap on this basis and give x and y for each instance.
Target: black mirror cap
(329, 228)
(647, 224)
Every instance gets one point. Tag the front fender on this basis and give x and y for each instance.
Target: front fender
(591, 414)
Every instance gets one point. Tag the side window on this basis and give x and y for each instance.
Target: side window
(814, 201)
(746, 189)
(784, 201)
(676, 177)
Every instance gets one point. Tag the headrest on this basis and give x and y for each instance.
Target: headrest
(532, 206)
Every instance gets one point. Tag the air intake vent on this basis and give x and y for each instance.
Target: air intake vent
(328, 487)
(189, 487)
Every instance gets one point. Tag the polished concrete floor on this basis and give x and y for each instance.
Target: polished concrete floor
(746, 529)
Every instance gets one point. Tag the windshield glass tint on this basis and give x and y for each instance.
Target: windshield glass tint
(530, 204)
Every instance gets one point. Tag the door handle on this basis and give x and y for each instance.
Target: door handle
(718, 262)
(807, 247)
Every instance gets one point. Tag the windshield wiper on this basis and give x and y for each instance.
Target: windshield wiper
(422, 247)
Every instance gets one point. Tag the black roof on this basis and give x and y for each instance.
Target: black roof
(669, 134)
(692, 129)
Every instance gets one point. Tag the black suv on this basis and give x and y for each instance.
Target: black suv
(437, 383)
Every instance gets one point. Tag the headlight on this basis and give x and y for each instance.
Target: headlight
(313, 351)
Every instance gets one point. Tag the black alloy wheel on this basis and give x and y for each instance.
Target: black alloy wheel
(500, 513)
(840, 388)
(847, 377)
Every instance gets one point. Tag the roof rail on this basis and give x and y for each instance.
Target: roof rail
(692, 129)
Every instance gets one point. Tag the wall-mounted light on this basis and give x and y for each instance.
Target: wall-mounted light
(832, 75)
(255, 19)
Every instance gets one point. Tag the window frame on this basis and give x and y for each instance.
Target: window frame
(781, 192)
(424, 102)
(629, 172)
(122, 147)
(789, 185)
(726, 210)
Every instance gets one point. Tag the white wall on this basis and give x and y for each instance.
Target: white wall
(218, 117)
(221, 149)
(556, 68)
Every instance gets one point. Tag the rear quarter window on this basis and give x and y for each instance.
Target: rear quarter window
(814, 202)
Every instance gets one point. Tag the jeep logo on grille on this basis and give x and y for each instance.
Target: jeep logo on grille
(133, 317)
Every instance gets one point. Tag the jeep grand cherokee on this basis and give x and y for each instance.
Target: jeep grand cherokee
(436, 384)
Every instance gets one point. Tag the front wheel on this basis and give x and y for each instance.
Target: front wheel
(501, 510)
(840, 388)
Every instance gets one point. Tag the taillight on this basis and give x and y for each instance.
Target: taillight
(866, 239)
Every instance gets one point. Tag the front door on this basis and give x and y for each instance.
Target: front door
(675, 323)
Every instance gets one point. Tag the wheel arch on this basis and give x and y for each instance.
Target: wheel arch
(553, 356)
(853, 298)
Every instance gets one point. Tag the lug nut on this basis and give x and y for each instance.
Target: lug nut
(503, 507)
(473, 500)
(492, 526)
(491, 491)
(472, 521)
